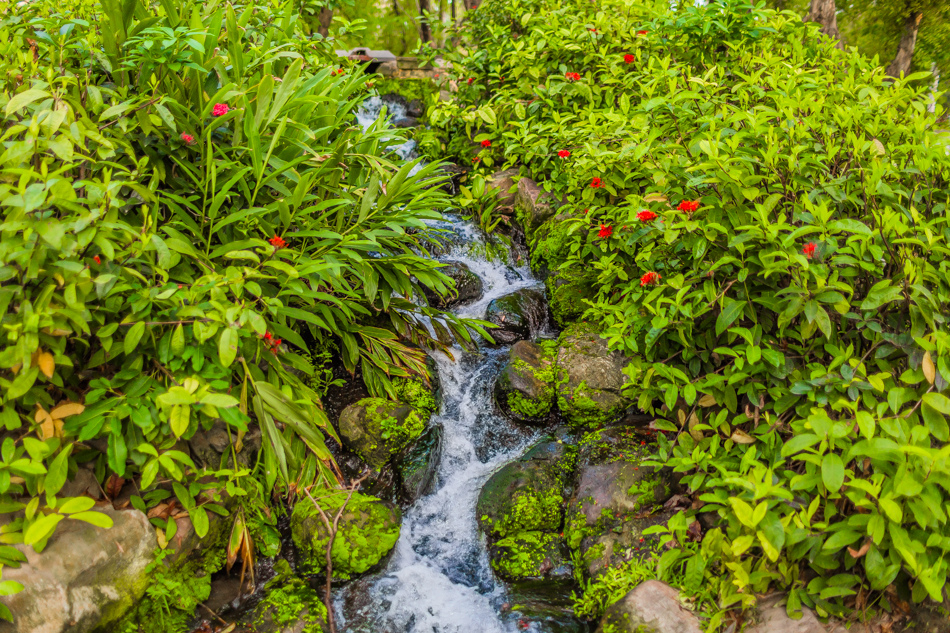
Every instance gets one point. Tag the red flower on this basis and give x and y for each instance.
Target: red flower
(572, 76)
(646, 216)
(628, 58)
(809, 250)
(220, 109)
(688, 206)
(605, 231)
(267, 336)
(650, 278)
(470, 80)
(596, 183)
(277, 242)
(641, 32)
(476, 159)
(486, 143)
(592, 30)
(188, 138)
(96, 259)
(563, 153)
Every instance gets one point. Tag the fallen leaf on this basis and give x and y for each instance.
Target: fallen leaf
(47, 423)
(930, 372)
(66, 409)
(860, 552)
(114, 486)
(741, 437)
(46, 364)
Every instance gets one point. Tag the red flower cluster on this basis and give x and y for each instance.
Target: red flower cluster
(809, 250)
(592, 30)
(486, 143)
(641, 32)
(646, 216)
(338, 71)
(605, 231)
(96, 259)
(470, 80)
(688, 206)
(220, 109)
(277, 242)
(563, 153)
(271, 342)
(476, 159)
(650, 278)
(572, 76)
(628, 58)
(188, 138)
(596, 183)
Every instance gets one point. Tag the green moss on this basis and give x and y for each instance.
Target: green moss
(367, 531)
(567, 290)
(289, 600)
(416, 394)
(541, 406)
(582, 411)
(529, 407)
(550, 244)
(523, 555)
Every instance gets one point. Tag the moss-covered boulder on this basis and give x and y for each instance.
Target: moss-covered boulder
(519, 315)
(533, 204)
(376, 429)
(418, 394)
(368, 529)
(468, 286)
(550, 242)
(524, 390)
(567, 290)
(615, 498)
(590, 379)
(289, 605)
(531, 555)
(417, 464)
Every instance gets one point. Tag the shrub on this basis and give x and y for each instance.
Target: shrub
(190, 211)
(790, 320)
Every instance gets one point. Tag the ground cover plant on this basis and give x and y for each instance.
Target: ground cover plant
(192, 223)
(766, 221)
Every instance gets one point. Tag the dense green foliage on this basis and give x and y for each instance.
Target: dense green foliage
(191, 216)
(767, 219)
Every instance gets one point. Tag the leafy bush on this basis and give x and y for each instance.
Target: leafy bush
(190, 217)
(767, 217)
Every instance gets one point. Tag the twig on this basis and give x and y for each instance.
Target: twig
(332, 528)
(211, 611)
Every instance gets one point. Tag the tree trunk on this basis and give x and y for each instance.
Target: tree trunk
(425, 33)
(932, 106)
(824, 12)
(905, 52)
(325, 18)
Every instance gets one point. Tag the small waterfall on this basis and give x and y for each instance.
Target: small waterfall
(369, 112)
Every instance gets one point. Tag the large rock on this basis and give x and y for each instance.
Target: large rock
(519, 315)
(367, 531)
(590, 378)
(417, 464)
(614, 500)
(376, 429)
(772, 617)
(520, 508)
(567, 290)
(503, 182)
(534, 204)
(86, 577)
(288, 605)
(468, 286)
(525, 388)
(652, 607)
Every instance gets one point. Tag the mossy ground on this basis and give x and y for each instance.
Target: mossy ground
(289, 600)
(525, 554)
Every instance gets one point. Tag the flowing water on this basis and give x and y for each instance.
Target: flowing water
(439, 579)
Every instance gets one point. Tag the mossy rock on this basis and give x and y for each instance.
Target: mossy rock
(524, 390)
(550, 243)
(419, 395)
(368, 529)
(614, 499)
(519, 315)
(567, 290)
(289, 605)
(417, 464)
(590, 379)
(468, 286)
(376, 429)
(531, 555)
(525, 495)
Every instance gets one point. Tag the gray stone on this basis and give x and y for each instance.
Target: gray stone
(84, 483)
(652, 607)
(418, 462)
(590, 378)
(535, 204)
(519, 315)
(406, 122)
(525, 388)
(468, 286)
(504, 182)
(772, 617)
(86, 577)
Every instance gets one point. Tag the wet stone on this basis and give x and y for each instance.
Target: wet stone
(590, 379)
(519, 315)
(652, 607)
(468, 286)
(524, 390)
(417, 464)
